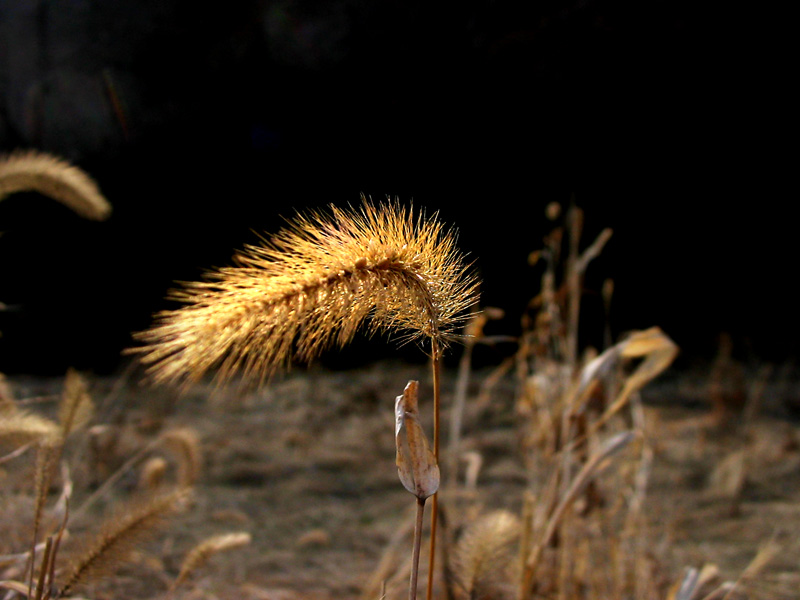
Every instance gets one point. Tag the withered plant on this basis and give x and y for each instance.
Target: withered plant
(58, 560)
(416, 465)
(576, 416)
(34, 171)
(312, 286)
(582, 440)
(41, 572)
(378, 268)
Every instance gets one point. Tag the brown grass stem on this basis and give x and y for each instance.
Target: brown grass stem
(412, 589)
(597, 462)
(436, 369)
(457, 411)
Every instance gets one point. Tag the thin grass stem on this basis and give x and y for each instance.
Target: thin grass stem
(436, 356)
(412, 590)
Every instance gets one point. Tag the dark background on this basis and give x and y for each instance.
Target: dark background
(663, 118)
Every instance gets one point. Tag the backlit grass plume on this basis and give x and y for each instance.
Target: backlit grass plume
(380, 268)
(26, 171)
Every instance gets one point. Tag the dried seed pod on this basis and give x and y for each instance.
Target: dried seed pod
(416, 463)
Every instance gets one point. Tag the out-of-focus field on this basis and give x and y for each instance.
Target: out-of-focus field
(306, 466)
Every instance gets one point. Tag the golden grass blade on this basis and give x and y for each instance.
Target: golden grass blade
(183, 445)
(53, 177)
(310, 287)
(693, 581)
(153, 473)
(18, 452)
(657, 352)
(766, 554)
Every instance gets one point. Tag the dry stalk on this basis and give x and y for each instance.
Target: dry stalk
(596, 463)
(387, 566)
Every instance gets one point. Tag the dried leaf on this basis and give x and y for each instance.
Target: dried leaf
(416, 464)
(655, 348)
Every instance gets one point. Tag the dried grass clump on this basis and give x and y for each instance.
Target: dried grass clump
(42, 572)
(312, 286)
(582, 438)
(131, 524)
(582, 530)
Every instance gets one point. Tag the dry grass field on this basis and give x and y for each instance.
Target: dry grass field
(557, 472)
(305, 466)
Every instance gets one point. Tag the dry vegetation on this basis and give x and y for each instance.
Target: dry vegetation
(568, 473)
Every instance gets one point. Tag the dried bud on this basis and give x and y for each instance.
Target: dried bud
(416, 464)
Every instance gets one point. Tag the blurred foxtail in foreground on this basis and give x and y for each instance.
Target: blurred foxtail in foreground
(380, 268)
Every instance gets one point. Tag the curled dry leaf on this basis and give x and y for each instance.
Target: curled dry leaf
(656, 351)
(416, 464)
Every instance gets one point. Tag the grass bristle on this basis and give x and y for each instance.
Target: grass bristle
(131, 525)
(312, 286)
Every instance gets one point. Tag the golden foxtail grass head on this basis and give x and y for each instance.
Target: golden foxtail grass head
(24, 171)
(129, 526)
(380, 267)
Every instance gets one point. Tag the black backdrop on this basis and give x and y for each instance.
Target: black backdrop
(204, 126)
